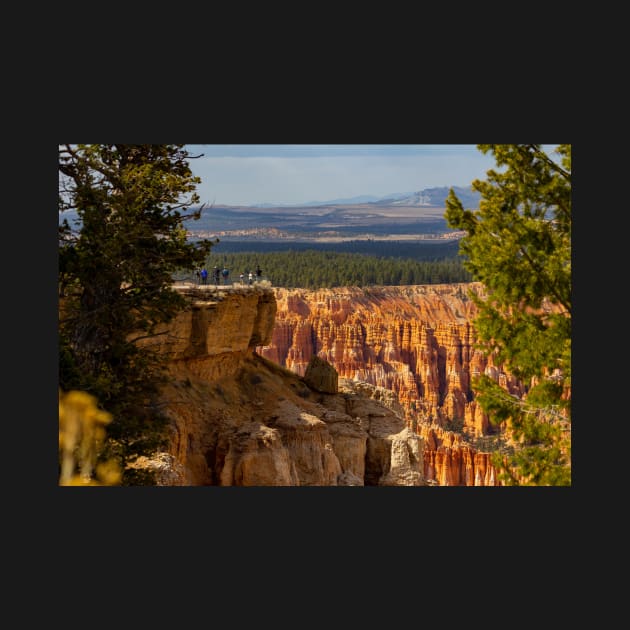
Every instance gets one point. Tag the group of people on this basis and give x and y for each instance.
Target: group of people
(250, 276)
(202, 275)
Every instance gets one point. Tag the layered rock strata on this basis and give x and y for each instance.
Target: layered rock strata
(416, 341)
(237, 418)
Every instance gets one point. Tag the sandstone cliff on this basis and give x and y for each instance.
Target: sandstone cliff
(416, 341)
(237, 418)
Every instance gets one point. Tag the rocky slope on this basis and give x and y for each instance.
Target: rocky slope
(416, 341)
(237, 418)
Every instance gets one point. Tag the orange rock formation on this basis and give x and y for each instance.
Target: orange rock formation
(237, 418)
(416, 341)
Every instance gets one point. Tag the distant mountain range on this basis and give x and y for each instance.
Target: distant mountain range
(435, 197)
(426, 197)
(241, 217)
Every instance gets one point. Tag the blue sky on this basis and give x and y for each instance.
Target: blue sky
(248, 174)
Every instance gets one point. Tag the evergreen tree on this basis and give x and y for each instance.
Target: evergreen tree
(518, 244)
(115, 273)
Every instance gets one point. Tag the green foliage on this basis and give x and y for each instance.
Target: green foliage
(313, 269)
(115, 276)
(422, 249)
(518, 244)
(541, 431)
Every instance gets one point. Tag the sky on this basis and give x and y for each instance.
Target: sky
(250, 174)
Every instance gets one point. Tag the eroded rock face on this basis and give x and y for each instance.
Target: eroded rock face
(415, 341)
(345, 386)
(223, 320)
(265, 427)
(238, 419)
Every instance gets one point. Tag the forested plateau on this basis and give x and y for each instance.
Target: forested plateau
(351, 263)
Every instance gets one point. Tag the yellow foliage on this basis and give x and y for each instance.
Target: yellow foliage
(81, 437)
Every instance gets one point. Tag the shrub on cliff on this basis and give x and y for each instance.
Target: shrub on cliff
(518, 244)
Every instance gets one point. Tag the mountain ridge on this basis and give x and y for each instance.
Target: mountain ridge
(434, 196)
(422, 212)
